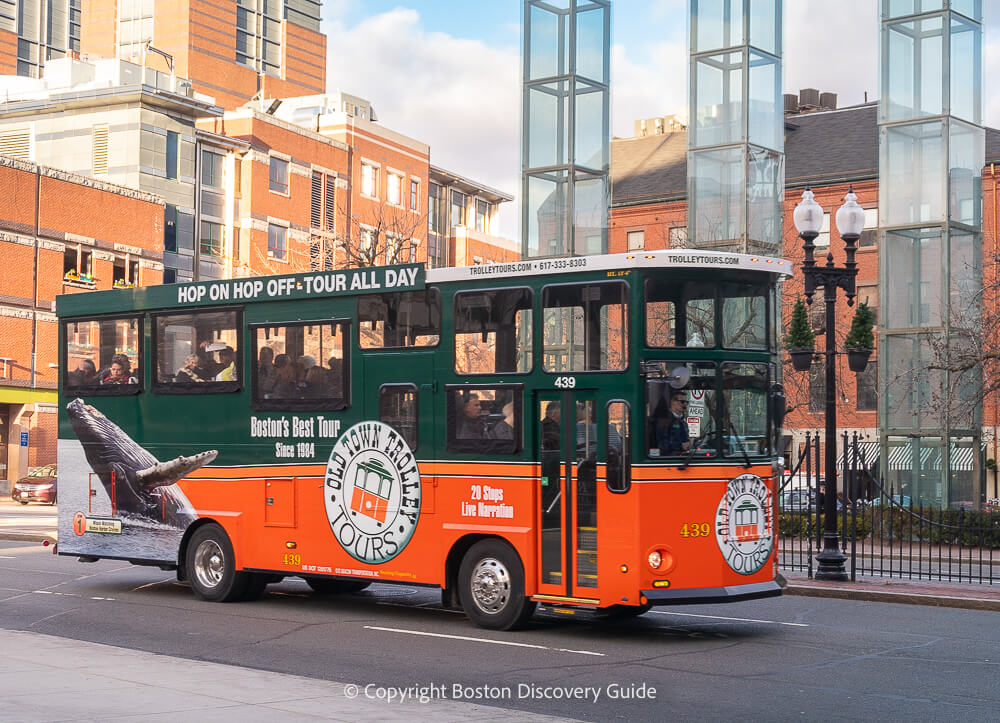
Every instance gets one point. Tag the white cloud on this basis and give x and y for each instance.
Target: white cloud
(460, 96)
(647, 87)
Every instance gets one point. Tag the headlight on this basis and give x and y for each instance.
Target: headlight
(655, 558)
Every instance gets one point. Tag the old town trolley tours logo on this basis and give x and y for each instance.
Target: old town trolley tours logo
(372, 492)
(744, 524)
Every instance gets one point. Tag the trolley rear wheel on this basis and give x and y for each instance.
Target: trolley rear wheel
(211, 567)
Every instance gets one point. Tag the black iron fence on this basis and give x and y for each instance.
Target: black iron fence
(883, 532)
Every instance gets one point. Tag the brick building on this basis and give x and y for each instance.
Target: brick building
(828, 149)
(51, 223)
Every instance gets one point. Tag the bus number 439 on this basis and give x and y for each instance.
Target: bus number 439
(565, 382)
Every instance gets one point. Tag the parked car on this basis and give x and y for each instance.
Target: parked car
(38, 486)
(798, 500)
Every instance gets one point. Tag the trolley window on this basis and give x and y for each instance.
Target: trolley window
(406, 318)
(744, 409)
(619, 446)
(681, 411)
(493, 331)
(585, 327)
(103, 356)
(485, 419)
(744, 315)
(397, 407)
(304, 365)
(680, 313)
(197, 352)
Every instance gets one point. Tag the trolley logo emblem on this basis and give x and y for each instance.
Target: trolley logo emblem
(372, 492)
(744, 524)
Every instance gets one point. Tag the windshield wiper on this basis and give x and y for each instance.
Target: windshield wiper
(743, 449)
(694, 448)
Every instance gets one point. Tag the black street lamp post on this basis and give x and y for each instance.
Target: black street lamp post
(808, 218)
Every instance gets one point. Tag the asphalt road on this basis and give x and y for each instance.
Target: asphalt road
(781, 659)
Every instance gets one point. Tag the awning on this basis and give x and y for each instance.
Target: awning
(962, 458)
(867, 456)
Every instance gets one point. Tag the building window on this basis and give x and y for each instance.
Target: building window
(414, 194)
(482, 215)
(316, 200)
(824, 232)
(369, 180)
(172, 154)
(636, 240)
(211, 239)
(678, 236)
(869, 236)
(276, 242)
(170, 228)
(278, 175)
(435, 208)
(77, 265)
(99, 149)
(393, 189)
(457, 208)
(170, 276)
(867, 401)
(211, 169)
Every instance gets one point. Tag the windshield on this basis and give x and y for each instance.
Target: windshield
(44, 472)
(706, 410)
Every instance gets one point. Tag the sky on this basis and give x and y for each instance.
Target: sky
(447, 72)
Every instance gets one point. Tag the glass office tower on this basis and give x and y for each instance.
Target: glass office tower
(736, 161)
(565, 127)
(931, 155)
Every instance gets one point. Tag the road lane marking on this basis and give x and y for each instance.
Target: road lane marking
(720, 617)
(482, 640)
(68, 594)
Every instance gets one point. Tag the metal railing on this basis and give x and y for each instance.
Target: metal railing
(884, 532)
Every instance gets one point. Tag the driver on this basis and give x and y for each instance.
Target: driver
(672, 435)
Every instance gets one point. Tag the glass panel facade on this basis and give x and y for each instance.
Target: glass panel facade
(965, 282)
(715, 180)
(547, 126)
(966, 150)
(913, 69)
(590, 214)
(765, 25)
(913, 392)
(911, 174)
(914, 291)
(966, 70)
(765, 121)
(591, 60)
(765, 190)
(716, 24)
(591, 147)
(718, 99)
(566, 126)
(546, 214)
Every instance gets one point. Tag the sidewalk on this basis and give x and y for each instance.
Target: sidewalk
(45, 678)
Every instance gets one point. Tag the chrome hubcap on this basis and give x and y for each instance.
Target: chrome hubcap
(490, 585)
(209, 563)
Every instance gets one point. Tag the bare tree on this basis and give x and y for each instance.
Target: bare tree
(383, 234)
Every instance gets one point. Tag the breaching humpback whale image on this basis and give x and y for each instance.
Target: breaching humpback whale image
(143, 485)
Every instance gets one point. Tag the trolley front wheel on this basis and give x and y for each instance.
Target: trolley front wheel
(491, 586)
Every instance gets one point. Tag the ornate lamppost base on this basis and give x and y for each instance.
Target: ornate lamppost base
(831, 561)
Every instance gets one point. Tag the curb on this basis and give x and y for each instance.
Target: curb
(904, 598)
(28, 537)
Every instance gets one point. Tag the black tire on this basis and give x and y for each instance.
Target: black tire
(23, 502)
(211, 567)
(333, 586)
(491, 586)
